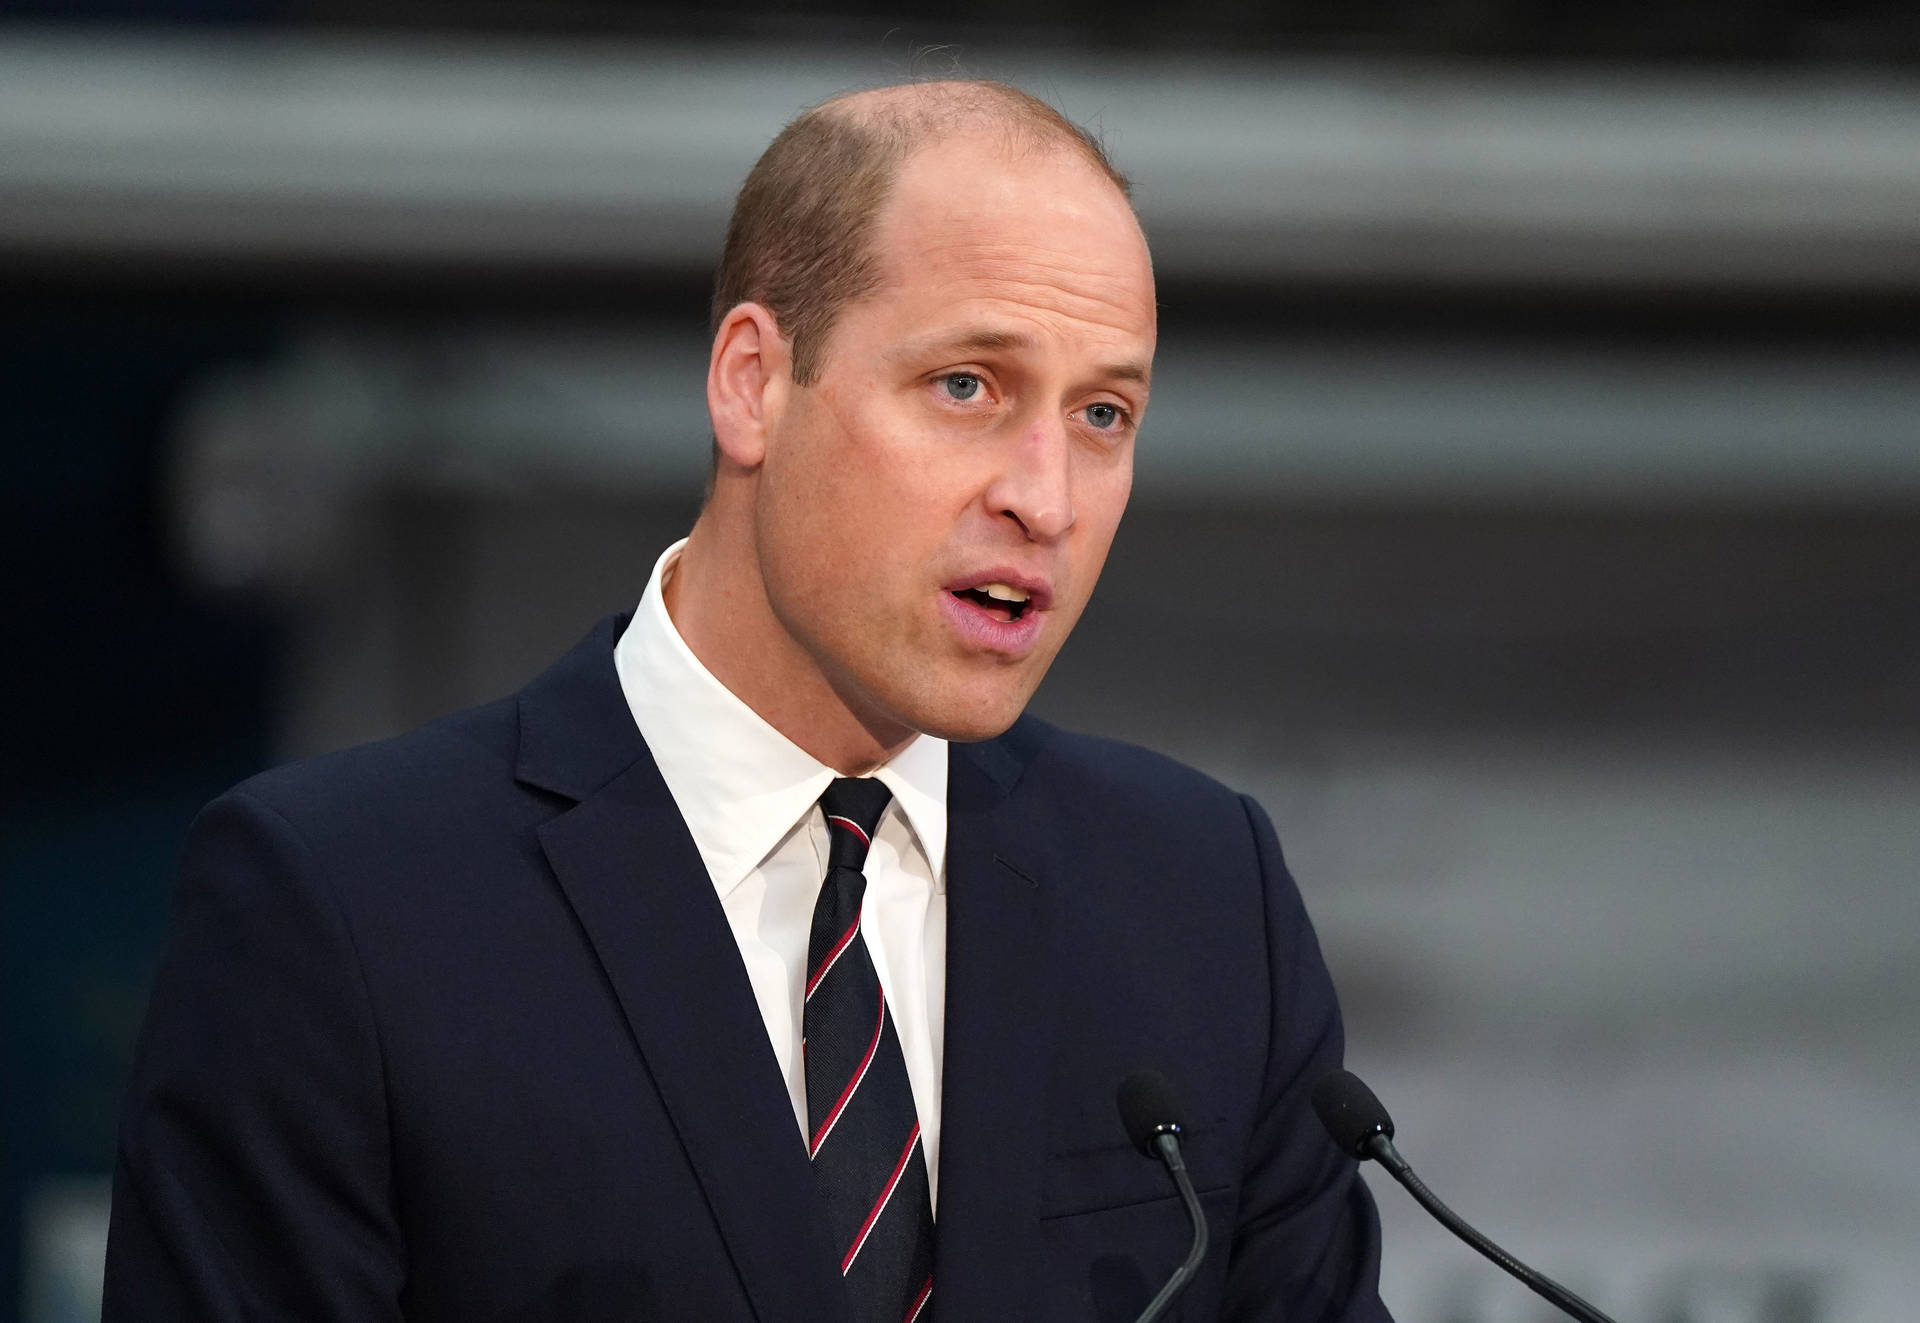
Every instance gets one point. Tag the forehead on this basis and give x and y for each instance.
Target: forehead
(975, 225)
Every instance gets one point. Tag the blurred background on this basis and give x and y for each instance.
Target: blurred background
(1528, 514)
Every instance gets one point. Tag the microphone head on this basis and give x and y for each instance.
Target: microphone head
(1148, 1109)
(1350, 1112)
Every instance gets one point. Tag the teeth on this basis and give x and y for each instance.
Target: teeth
(1001, 592)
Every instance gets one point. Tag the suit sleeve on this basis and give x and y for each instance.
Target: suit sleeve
(254, 1176)
(1307, 1245)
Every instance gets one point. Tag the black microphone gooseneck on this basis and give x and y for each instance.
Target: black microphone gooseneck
(1361, 1127)
(1152, 1119)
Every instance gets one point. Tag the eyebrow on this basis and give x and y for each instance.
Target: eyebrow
(984, 339)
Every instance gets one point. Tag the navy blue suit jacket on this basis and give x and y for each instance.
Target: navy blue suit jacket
(453, 1028)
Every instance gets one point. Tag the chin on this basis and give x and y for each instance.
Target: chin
(971, 731)
(974, 718)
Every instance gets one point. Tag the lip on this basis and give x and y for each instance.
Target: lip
(1010, 638)
(1039, 592)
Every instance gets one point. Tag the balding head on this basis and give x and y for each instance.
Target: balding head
(933, 346)
(801, 239)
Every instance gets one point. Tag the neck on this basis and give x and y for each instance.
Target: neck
(718, 603)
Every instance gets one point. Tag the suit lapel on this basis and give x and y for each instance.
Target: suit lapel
(998, 1025)
(635, 879)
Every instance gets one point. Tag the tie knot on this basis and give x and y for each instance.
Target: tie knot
(853, 806)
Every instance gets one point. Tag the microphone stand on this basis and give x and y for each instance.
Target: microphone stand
(1167, 1145)
(1380, 1148)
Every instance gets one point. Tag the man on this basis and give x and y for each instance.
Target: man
(705, 979)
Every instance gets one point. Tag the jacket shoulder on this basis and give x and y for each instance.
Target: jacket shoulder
(1086, 788)
(450, 769)
(571, 717)
(1107, 768)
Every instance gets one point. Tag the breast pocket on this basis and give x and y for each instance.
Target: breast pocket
(1113, 1230)
(1110, 1176)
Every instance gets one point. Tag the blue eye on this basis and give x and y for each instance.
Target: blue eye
(1103, 416)
(960, 385)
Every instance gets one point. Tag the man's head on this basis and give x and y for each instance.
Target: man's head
(932, 347)
(800, 241)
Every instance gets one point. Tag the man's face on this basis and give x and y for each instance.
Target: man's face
(933, 511)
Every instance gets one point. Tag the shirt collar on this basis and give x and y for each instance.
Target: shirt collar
(741, 785)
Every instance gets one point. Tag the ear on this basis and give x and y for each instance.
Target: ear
(749, 377)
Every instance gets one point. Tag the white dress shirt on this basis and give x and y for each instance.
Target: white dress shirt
(749, 797)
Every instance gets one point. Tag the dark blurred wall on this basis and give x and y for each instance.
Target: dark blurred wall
(130, 700)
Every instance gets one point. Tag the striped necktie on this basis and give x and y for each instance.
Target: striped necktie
(868, 1166)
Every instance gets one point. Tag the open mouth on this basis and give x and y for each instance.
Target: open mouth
(999, 600)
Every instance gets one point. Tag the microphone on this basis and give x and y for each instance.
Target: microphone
(1152, 1120)
(1361, 1127)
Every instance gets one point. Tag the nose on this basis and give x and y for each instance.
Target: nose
(1034, 486)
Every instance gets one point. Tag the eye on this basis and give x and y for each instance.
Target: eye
(1104, 417)
(961, 386)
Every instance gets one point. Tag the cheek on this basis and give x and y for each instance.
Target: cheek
(862, 504)
(844, 530)
(810, 489)
(1111, 491)
(901, 493)
(1102, 500)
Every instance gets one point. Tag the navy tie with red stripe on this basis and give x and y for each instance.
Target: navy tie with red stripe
(864, 1134)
